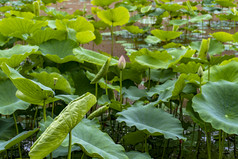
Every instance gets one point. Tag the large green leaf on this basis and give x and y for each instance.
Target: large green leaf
(15, 55)
(200, 18)
(228, 72)
(7, 129)
(190, 67)
(114, 17)
(133, 29)
(54, 135)
(137, 155)
(19, 27)
(53, 80)
(29, 88)
(59, 51)
(165, 35)
(103, 3)
(152, 121)
(134, 93)
(223, 36)
(4, 145)
(100, 145)
(218, 105)
(92, 56)
(85, 37)
(9, 103)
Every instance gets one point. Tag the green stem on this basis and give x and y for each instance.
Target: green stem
(200, 84)
(220, 144)
(34, 121)
(121, 97)
(149, 80)
(209, 71)
(208, 135)
(165, 146)
(44, 110)
(234, 146)
(82, 156)
(112, 40)
(17, 131)
(52, 113)
(106, 86)
(70, 146)
(234, 27)
(198, 143)
(146, 145)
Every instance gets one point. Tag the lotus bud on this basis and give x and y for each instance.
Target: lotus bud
(55, 81)
(200, 72)
(121, 63)
(36, 8)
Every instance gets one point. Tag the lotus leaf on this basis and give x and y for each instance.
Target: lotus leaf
(200, 18)
(223, 36)
(4, 145)
(171, 7)
(145, 9)
(103, 3)
(178, 22)
(8, 129)
(190, 67)
(92, 57)
(137, 155)
(59, 51)
(133, 138)
(48, 79)
(152, 121)
(133, 29)
(54, 135)
(134, 93)
(100, 146)
(29, 89)
(114, 17)
(152, 40)
(217, 104)
(9, 103)
(20, 28)
(85, 37)
(15, 55)
(165, 35)
(228, 72)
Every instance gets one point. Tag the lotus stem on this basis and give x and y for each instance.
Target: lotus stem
(52, 113)
(234, 146)
(106, 86)
(221, 143)
(208, 142)
(70, 146)
(121, 88)
(198, 142)
(17, 131)
(44, 110)
(146, 145)
(209, 71)
(82, 156)
(34, 120)
(112, 37)
(234, 26)
(149, 79)
(165, 146)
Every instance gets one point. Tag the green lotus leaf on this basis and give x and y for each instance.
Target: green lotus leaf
(98, 39)
(133, 93)
(20, 28)
(114, 17)
(137, 155)
(69, 117)
(3, 40)
(130, 7)
(172, 45)
(165, 35)
(235, 37)
(190, 67)
(225, 3)
(221, 59)
(59, 51)
(171, 7)
(103, 3)
(228, 72)
(178, 22)
(99, 146)
(80, 25)
(29, 88)
(92, 57)
(152, 39)
(26, 15)
(66, 98)
(133, 29)
(223, 36)
(179, 54)
(161, 75)
(15, 55)
(145, 9)
(133, 138)
(53, 80)
(215, 47)
(217, 104)
(160, 89)
(9, 102)
(5, 145)
(7, 129)
(152, 121)
(41, 36)
(200, 18)
(154, 60)
(85, 37)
